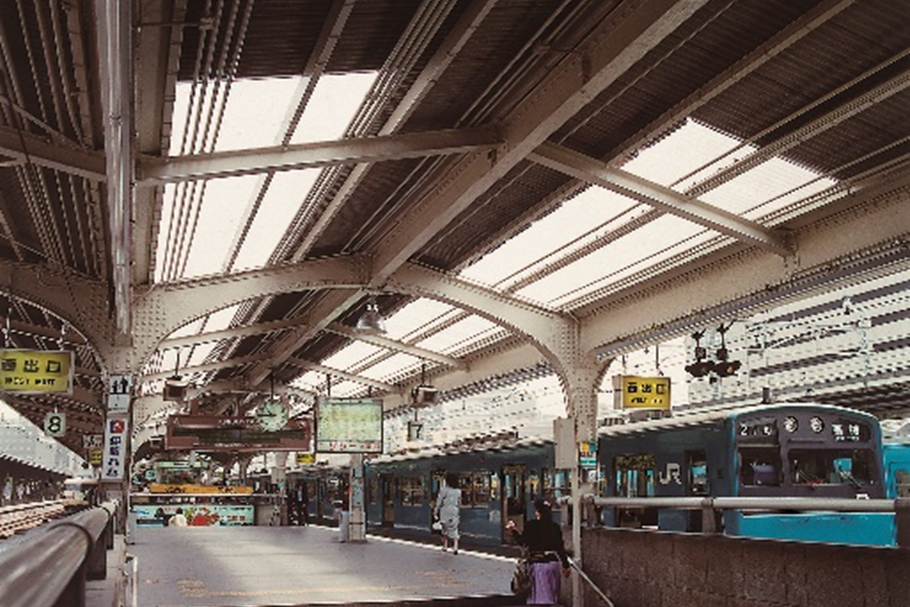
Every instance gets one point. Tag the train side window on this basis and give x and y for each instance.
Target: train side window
(373, 491)
(760, 466)
(697, 473)
(411, 488)
(481, 482)
(634, 475)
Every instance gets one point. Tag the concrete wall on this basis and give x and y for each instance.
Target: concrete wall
(658, 569)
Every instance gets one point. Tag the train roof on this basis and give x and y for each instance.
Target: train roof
(704, 417)
(463, 446)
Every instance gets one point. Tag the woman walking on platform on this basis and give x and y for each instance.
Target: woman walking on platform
(546, 553)
(448, 504)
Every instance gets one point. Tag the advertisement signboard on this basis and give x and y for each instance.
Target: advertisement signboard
(114, 458)
(197, 515)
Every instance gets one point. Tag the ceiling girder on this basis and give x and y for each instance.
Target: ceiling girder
(153, 170)
(461, 33)
(588, 169)
(67, 158)
(210, 336)
(207, 367)
(392, 344)
(305, 364)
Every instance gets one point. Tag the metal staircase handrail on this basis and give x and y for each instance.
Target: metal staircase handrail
(584, 576)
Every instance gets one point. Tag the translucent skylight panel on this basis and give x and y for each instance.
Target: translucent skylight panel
(351, 354)
(763, 187)
(413, 316)
(280, 204)
(191, 328)
(255, 113)
(460, 333)
(573, 220)
(310, 381)
(220, 320)
(345, 388)
(218, 218)
(631, 253)
(332, 107)
(685, 150)
(391, 366)
(198, 354)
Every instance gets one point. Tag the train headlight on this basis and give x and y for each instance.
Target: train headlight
(791, 424)
(816, 424)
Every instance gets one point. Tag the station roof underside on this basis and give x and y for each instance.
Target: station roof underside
(221, 189)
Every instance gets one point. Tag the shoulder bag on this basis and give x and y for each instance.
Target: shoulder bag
(521, 576)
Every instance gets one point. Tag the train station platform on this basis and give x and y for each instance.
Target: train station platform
(260, 565)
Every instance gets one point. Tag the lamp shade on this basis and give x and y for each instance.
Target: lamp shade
(371, 321)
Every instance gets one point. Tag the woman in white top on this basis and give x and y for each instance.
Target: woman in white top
(448, 503)
(179, 520)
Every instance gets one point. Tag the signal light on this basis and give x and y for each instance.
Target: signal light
(727, 368)
(699, 368)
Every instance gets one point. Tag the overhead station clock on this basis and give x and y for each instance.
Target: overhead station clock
(272, 415)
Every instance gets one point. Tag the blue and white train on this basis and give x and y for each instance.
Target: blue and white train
(778, 450)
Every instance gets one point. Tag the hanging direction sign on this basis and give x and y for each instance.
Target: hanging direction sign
(36, 371)
(118, 397)
(634, 392)
(237, 433)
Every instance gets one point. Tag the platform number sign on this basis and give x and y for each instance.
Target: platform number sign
(55, 424)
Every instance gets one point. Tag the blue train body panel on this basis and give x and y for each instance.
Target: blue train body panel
(856, 528)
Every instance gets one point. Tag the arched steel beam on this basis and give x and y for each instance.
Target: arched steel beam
(164, 308)
(553, 332)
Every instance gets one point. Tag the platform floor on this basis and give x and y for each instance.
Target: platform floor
(245, 566)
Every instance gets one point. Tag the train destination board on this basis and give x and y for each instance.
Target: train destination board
(349, 426)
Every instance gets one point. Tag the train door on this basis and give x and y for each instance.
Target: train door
(697, 485)
(514, 503)
(387, 484)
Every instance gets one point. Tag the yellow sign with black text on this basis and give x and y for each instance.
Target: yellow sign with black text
(635, 392)
(36, 371)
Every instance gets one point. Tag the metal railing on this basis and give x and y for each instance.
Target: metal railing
(50, 568)
(709, 505)
(584, 576)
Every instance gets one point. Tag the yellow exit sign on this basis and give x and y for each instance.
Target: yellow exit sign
(36, 371)
(636, 392)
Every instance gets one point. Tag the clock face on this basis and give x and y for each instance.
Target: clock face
(272, 415)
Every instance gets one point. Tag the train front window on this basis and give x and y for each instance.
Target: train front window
(759, 466)
(832, 467)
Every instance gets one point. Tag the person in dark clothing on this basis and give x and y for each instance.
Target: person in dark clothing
(301, 505)
(546, 553)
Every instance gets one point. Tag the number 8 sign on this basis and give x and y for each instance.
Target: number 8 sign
(55, 424)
